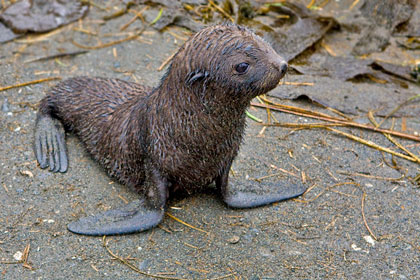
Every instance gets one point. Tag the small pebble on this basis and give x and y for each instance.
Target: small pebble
(144, 264)
(27, 173)
(5, 106)
(354, 247)
(234, 239)
(18, 256)
(369, 240)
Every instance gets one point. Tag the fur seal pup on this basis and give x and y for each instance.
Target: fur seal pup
(183, 134)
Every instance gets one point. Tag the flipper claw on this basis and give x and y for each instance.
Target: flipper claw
(50, 148)
(40, 150)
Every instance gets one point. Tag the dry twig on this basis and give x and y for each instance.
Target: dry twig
(316, 115)
(186, 224)
(394, 141)
(166, 62)
(220, 10)
(100, 46)
(372, 145)
(131, 266)
(371, 176)
(364, 218)
(29, 83)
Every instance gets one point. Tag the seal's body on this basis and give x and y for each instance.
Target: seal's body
(184, 133)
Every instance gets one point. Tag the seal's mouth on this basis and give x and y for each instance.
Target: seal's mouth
(280, 66)
(274, 76)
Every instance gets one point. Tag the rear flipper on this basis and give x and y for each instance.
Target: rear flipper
(49, 145)
(243, 193)
(133, 217)
(136, 216)
(247, 194)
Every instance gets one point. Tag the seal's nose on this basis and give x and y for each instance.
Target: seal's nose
(283, 68)
(280, 65)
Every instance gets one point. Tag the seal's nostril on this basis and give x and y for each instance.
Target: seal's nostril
(283, 68)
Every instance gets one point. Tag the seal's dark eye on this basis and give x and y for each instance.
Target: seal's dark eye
(242, 67)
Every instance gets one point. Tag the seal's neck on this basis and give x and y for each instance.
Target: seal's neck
(205, 97)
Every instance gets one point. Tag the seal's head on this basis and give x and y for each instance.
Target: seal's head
(230, 60)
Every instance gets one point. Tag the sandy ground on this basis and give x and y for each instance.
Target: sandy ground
(321, 235)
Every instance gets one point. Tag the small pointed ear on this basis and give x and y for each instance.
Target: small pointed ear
(195, 76)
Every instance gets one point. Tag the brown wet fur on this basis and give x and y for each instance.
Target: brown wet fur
(189, 128)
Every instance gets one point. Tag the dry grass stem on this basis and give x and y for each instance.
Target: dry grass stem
(166, 62)
(190, 245)
(23, 261)
(42, 37)
(397, 108)
(372, 145)
(316, 115)
(345, 194)
(133, 19)
(364, 218)
(284, 171)
(408, 242)
(94, 4)
(123, 198)
(220, 10)
(341, 184)
(66, 54)
(376, 80)
(161, 275)
(105, 45)
(164, 229)
(94, 267)
(294, 109)
(29, 83)
(303, 125)
(371, 176)
(25, 257)
(179, 37)
(354, 4)
(337, 112)
(311, 4)
(303, 177)
(297, 83)
(309, 189)
(266, 176)
(390, 138)
(78, 29)
(328, 48)
(186, 224)
(223, 277)
(131, 266)
(323, 191)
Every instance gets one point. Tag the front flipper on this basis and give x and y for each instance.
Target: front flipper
(243, 193)
(133, 217)
(49, 144)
